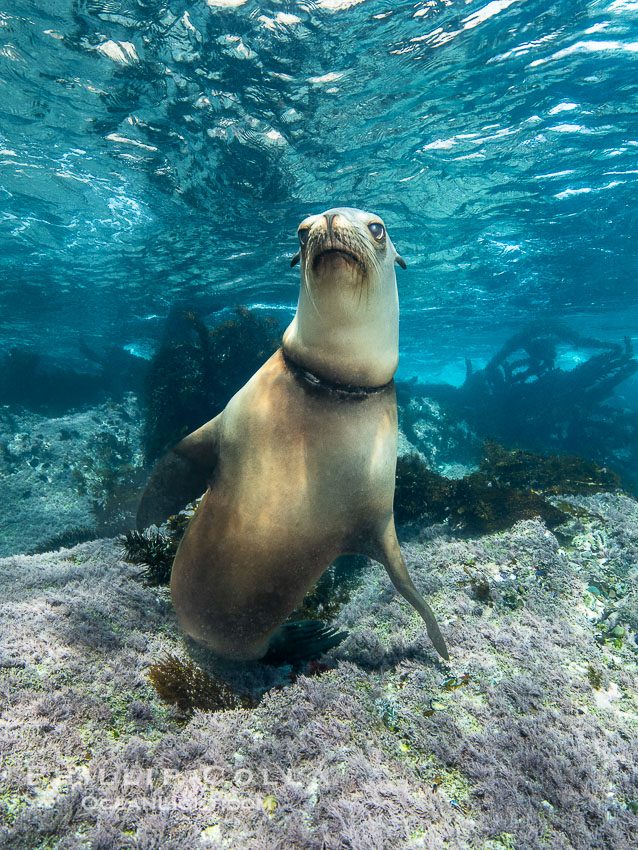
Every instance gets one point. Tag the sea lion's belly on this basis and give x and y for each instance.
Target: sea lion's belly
(299, 480)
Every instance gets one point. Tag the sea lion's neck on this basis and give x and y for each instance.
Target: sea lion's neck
(346, 339)
(318, 385)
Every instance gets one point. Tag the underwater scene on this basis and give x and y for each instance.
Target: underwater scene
(319, 425)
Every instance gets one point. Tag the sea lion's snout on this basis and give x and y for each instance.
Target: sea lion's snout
(344, 237)
(332, 242)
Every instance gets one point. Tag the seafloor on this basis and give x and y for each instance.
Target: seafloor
(527, 740)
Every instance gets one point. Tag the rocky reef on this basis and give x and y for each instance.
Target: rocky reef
(116, 732)
(70, 477)
(526, 740)
(548, 389)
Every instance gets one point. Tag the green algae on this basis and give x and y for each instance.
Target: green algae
(504, 841)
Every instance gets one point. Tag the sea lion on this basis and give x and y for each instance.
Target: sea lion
(300, 465)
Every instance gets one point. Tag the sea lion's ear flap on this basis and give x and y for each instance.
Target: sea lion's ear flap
(295, 259)
(400, 261)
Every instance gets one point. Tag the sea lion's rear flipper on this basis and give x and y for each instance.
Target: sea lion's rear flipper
(180, 476)
(392, 559)
(301, 640)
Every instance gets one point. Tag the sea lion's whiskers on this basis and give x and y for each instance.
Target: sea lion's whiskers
(310, 296)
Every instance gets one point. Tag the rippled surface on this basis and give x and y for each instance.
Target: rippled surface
(155, 150)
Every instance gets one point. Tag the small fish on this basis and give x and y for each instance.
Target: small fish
(433, 707)
(456, 682)
(270, 803)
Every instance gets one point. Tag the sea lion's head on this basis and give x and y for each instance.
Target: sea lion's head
(346, 328)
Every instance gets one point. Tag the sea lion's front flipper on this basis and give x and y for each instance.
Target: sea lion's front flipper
(392, 559)
(180, 476)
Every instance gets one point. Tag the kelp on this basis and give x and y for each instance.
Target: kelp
(525, 385)
(567, 474)
(509, 486)
(196, 370)
(333, 589)
(151, 549)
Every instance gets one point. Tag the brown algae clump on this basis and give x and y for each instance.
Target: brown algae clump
(187, 686)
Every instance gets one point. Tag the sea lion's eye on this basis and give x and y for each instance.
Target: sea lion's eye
(377, 230)
(303, 234)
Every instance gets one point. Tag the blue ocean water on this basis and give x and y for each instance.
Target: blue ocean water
(155, 152)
